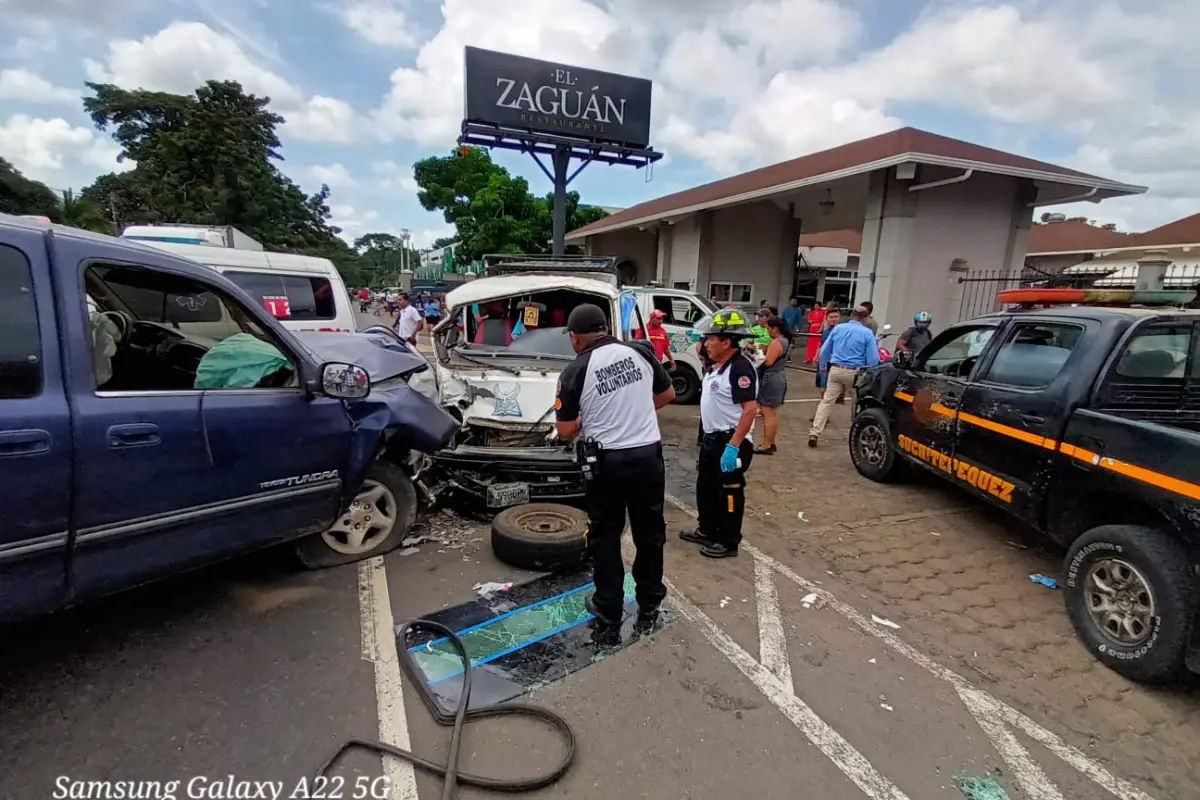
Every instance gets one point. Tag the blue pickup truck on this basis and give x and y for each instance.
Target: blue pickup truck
(154, 418)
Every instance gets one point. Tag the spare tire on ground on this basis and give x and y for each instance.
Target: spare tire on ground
(543, 537)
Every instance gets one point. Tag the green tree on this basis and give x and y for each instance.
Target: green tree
(381, 256)
(444, 241)
(81, 212)
(20, 195)
(491, 210)
(209, 158)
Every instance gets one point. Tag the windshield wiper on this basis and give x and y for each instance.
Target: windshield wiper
(458, 352)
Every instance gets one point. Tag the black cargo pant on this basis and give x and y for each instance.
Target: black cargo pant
(632, 480)
(721, 496)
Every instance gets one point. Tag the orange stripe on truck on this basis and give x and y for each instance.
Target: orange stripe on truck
(1141, 474)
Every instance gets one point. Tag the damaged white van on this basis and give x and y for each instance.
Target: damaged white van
(499, 353)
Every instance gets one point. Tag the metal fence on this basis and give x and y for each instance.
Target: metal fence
(981, 288)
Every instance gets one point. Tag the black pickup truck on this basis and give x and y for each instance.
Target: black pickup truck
(1083, 422)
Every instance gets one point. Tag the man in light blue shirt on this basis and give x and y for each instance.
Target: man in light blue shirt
(849, 348)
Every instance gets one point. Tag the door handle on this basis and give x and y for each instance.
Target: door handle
(142, 434)
(1031, 419)
(949, 401)
(24, 443)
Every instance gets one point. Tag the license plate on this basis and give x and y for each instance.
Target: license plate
(503, 495)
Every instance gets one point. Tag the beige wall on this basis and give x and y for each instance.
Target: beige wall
(909, 242)
(630, 244)
(984, 220)
(756, 244)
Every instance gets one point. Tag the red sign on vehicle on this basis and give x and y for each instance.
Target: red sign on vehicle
(278, 307)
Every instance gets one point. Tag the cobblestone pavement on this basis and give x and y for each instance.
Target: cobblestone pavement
(955, 575)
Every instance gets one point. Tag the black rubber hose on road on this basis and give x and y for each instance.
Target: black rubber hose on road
(461, 716)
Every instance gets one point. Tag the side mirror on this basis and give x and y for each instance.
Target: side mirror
(903, 359)
(345, 381)
(887, 326)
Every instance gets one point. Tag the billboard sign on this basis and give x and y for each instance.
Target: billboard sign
(541, 96)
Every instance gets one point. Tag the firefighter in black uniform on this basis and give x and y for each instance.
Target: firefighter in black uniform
(608, 397)
(728, 406)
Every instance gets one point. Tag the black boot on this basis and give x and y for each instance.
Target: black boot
(599, 613)
(695, 537)
(718, 550)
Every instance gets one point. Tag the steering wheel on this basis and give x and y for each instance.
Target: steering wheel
(124, 324)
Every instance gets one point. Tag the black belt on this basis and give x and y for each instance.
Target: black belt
(718, 434)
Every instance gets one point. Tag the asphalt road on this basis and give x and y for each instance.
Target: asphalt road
(869, 641)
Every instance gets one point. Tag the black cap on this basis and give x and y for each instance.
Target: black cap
(587, 318)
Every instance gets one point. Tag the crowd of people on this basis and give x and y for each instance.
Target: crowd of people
(413, 313)
(836, 350)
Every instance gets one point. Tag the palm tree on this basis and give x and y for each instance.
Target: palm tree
(80, 212)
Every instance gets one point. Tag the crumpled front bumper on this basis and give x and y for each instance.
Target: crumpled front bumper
(551, 472)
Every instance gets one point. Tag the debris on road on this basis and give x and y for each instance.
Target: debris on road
(800, 516)
(490, 588)
(413, 541)
(934, 533)
(725, 601)
(871, 661)
(408, 551)
(449, 531)
(1016, 545)
(1049, 583)
(981, 789)
(809, 599)
(887, 623)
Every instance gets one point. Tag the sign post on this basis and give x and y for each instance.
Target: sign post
(558, 111)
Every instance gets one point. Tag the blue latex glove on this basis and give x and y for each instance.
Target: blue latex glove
(729, 458)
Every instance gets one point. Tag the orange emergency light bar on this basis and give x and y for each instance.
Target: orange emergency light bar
(1096, 297)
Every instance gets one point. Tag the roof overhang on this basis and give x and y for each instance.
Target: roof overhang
(1074, 188)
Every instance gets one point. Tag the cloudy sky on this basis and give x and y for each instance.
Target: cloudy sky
(370, 86)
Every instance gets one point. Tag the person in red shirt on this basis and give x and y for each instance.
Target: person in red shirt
(659, 338)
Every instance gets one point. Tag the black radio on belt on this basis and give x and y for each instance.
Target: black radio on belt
(587, 456)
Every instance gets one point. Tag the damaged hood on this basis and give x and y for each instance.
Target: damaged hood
(383, 357)
(393, 410)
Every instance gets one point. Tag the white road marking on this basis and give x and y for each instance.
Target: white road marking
(1030, 777)
(1072, 756)
(820, 733)
(378, 631)
(772, 642)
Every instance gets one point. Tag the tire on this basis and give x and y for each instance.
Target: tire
(1148, 568)
(686, 383)
(541, 537)
(872, 448)
(386, 487)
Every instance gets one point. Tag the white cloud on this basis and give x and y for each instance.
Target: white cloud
(737, 87)
(382, 22)
(425, 101)
(50, 16)
(354, 222)
(55, 152)
(333, 175)
(395, 176)
(425, 237)
(184, 55)
(23, 86)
